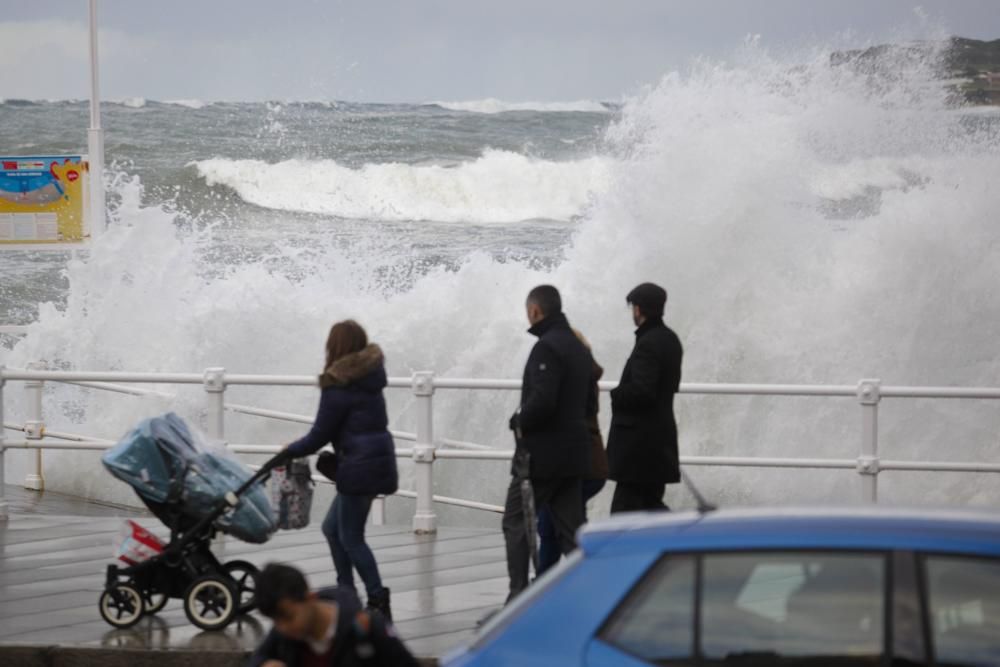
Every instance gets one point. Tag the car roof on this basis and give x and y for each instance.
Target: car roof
(872, 527)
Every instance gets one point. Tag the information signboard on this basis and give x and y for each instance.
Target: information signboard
(42, 199)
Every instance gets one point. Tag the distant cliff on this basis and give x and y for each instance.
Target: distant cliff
(970, 67)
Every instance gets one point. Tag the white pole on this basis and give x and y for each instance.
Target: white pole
(35, 425)
(378, 511)
(424, 518)
(3, 497)
(215, 394)
(95, 137)
(215, 423)
(869, 395)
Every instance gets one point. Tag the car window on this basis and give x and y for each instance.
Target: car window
(789, 606)
(656, 621)
(964, 607)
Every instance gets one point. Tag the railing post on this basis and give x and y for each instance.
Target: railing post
(424, 518)
(869, 395)
(215, 424)
(215, 393)
(34, 425)
(378, 511)
(3, 495)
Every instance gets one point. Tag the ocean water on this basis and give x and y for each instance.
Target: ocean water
(812, 223)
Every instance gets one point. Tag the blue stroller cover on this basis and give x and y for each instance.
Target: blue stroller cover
(165, 462)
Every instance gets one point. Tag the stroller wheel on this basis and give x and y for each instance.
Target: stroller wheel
(244, 575)
(121, 605)
(153, 601)
(211, 602)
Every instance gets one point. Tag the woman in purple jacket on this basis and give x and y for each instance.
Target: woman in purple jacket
(352, 416)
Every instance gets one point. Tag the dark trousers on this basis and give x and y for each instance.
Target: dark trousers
(635, 497)
(560, 497)
(344, 528)
(548, 540)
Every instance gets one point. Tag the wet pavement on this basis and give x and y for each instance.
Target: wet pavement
(54, 550)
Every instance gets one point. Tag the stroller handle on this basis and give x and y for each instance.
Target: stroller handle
(278, 460)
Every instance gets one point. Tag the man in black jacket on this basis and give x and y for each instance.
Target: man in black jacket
(642, 444)
(553, 443)
(322, 629)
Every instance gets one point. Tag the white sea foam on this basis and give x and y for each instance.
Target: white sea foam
(721, 198)
(191, 104)
(501, 186)
(493, 105)
(130, 102)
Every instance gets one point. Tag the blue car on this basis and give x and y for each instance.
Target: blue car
(756, 587)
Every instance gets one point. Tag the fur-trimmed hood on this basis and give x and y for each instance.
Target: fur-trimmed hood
(365, 365)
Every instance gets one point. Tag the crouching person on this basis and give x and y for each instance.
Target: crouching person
(323, 628)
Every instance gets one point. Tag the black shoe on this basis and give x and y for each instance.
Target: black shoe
(379, 604)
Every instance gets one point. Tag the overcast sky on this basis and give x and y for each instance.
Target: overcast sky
(424, 50)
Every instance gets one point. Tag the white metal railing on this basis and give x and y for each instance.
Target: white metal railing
(427, 449)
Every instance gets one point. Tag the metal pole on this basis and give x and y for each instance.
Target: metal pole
(869, 395)
(95, 137)
(424, 518)
(3, 496)
(34, 426)
(215, 392)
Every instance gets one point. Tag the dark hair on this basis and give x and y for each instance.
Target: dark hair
(277, 582)
(547, 298)
(345, 338)
(650, 298)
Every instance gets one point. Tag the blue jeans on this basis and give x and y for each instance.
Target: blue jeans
(548, 541)
(344, 528)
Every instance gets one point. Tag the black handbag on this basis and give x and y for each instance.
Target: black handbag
(326, 465)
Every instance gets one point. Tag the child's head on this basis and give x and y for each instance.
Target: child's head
(283, 596)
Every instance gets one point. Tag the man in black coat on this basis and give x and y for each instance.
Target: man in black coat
(553, 443)
(642, 444)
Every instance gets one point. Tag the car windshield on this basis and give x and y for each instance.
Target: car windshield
(507, 614)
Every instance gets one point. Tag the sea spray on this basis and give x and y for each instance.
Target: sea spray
(812, 223)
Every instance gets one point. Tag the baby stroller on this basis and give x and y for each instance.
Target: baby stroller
(195, 492)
